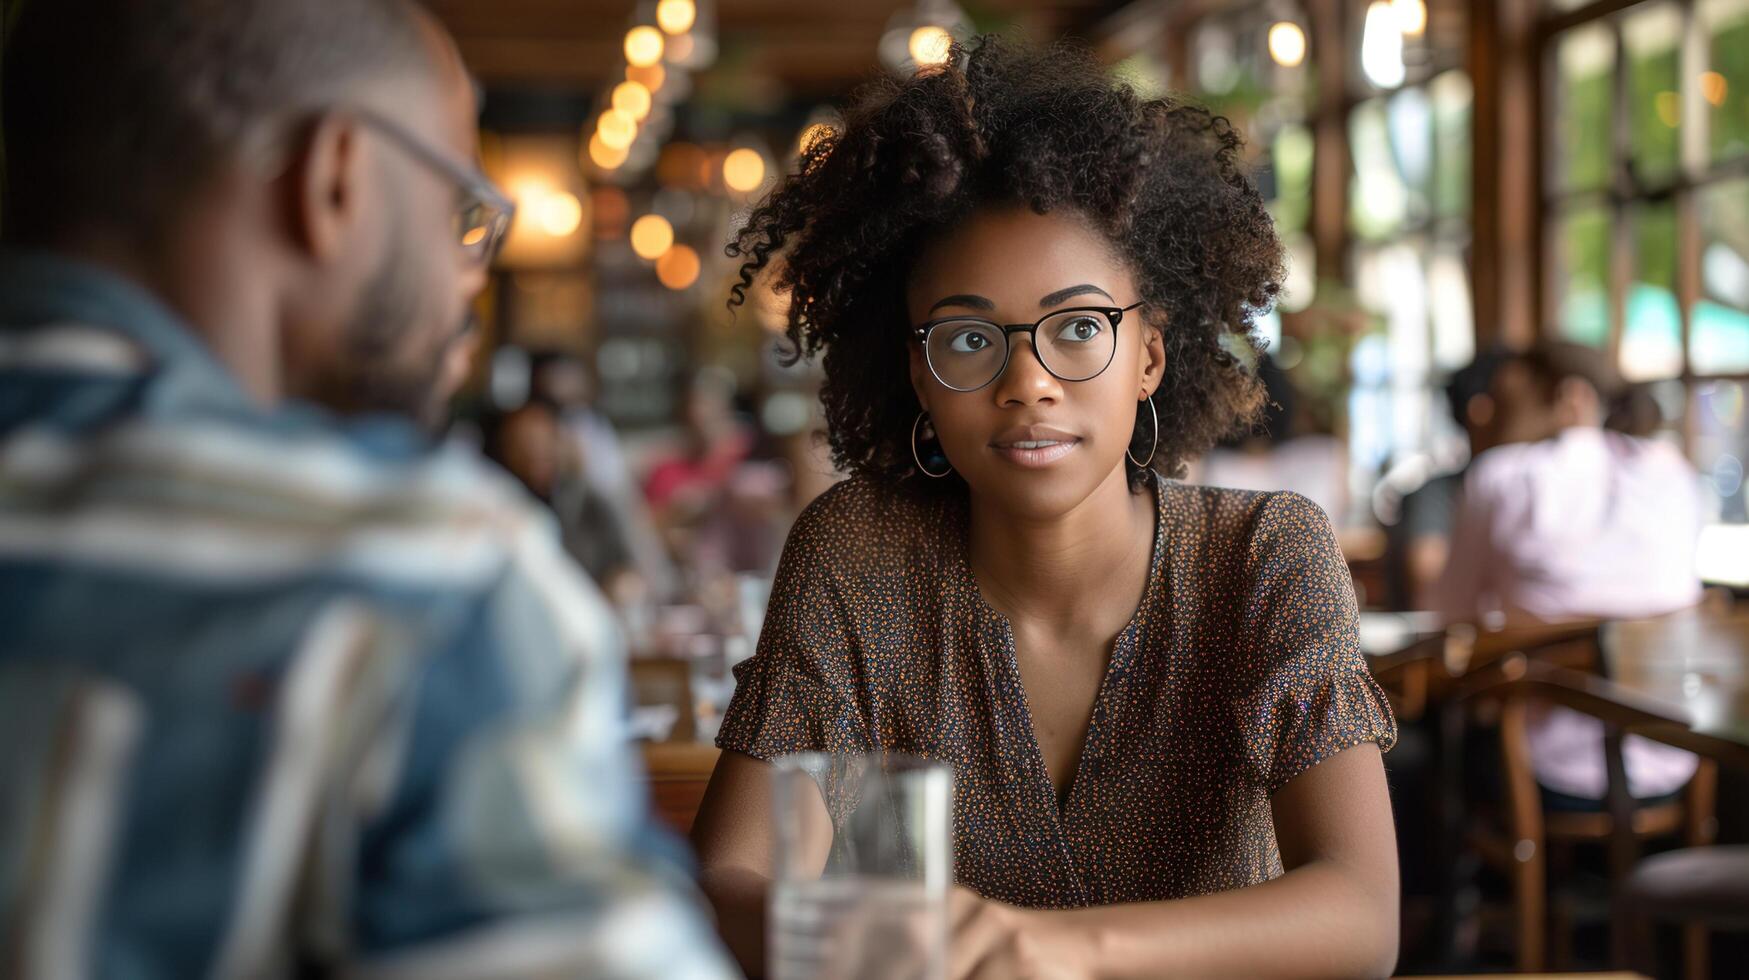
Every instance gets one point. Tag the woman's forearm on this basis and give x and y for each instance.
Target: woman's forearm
(1319, 920)
(738, 895)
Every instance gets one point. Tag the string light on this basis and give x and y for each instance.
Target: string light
(633, 99)
(604, 156)
(617, 129)
(744, 170)
(1287, 44)
(652, 237)
(676, 16)
(643, 46)
(678, 267)
(649, 76)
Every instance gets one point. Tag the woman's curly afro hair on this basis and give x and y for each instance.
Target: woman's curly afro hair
(1048, 128)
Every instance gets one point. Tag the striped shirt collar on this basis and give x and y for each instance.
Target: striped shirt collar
(39, 289)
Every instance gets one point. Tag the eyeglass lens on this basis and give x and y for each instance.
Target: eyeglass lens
(1074, 345)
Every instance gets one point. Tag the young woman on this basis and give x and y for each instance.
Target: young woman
(1026, 282)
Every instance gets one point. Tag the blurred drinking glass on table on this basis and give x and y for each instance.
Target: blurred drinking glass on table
(862, 867)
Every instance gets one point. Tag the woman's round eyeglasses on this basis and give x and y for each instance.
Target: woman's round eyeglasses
(967, 353)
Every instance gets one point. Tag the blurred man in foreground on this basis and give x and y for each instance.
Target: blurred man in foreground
(283, 689)
(1565, 520)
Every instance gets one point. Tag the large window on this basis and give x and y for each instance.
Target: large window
(1408, 218)
(1646, 208)
(1377, 309)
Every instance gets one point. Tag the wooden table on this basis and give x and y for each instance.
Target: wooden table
(678, 774)
(1692, 668)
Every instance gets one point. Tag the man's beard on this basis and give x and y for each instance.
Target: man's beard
(378, 374)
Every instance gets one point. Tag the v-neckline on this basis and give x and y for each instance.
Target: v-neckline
(1117, 666)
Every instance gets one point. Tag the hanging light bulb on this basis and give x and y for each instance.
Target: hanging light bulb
(676, 16)
(643, 46)
(678, 267)
(633, 99)
(617, 129)
(652, 237)
(604, 156)
(744, 170)
(1287, 44)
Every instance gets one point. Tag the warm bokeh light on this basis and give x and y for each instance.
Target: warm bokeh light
(617, 129)
(604, 156)
(652, 236)
(930, 45)
(1287, 44)
(649, 76)
(676, 16)
(643, 46)
(1411, 16)
(810, 134)
(1713, 87)
(743, 170)
(633, 99)
(559, 214)
(680, 49)
(678, 267)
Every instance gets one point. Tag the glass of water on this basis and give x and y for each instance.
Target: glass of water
(863, 866)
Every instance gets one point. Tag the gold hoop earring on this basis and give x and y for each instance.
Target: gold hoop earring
(918, 458)
(1143, 463)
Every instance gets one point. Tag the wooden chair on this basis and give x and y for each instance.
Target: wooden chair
(1520, 842)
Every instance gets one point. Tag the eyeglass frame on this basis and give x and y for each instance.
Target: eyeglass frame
(467, 180)
(1112, 313)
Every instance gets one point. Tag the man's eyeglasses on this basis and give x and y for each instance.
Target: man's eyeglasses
(967, 353)
(483, 212)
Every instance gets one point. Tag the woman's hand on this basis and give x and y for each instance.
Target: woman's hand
(990, 940)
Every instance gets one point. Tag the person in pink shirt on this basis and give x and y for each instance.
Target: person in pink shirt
(1566, 520)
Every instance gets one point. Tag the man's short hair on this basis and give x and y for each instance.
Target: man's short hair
(116, 110)
(1552, 362)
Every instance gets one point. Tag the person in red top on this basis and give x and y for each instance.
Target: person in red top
(685, 484)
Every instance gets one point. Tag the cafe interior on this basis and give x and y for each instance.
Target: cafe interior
(1453, 184)
(1449, 179)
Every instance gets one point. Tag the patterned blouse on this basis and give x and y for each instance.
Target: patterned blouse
(1240, 670)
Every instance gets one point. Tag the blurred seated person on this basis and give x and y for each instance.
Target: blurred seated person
(378, 712)
(1420, 540)
(531, 445)
(562, 380)
(1273, 455)
(1565, 520)
(683, 486)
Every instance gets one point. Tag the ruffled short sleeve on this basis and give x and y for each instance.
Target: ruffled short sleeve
(1308, 692)
(799, 691)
